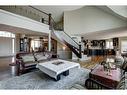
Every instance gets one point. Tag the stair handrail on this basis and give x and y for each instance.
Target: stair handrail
(41, 15)
(53, 22)
(39, 10)
(71, 38)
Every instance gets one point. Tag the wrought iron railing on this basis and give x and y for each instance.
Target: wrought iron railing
(30, 12)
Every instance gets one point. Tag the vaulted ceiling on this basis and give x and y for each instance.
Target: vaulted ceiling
(119, 11)
(57, 11)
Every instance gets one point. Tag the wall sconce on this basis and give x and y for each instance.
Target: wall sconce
(64, 47)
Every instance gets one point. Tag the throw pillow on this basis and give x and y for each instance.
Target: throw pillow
(28, 58)
(41, 57)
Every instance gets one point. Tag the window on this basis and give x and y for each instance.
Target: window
(109, 45)
(13, 46)
(124, 46)
(7, 43)
(7, 34)
(35, 44)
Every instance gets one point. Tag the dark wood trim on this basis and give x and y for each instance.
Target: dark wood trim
(49, 23)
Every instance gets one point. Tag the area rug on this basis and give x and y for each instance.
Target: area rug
(39, 80)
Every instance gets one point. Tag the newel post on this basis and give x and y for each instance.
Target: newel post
(80, 51)
(49, 20)
(49, 36)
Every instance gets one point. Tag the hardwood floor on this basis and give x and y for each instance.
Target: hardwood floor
(4, 67)
(88, 64)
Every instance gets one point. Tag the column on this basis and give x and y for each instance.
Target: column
(49, 41)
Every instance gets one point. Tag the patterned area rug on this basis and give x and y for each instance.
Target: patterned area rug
(39, 80)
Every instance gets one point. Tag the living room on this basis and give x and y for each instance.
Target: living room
(42, 54)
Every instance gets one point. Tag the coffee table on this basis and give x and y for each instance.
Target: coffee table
(101, 76)
(56, 68)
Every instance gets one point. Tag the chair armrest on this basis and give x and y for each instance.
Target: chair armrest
(20, 61)
(93, 84)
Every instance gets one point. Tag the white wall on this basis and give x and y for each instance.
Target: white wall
(5, 46)
(63, 54)
(14, 20)
(90, 19)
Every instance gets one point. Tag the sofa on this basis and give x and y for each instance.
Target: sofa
(28, 61)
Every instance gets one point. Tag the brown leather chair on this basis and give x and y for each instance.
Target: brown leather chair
(27, 61)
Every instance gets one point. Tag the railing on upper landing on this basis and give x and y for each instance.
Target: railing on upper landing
(30, 12)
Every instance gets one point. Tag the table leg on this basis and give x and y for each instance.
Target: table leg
(58, 77)
(66, 73)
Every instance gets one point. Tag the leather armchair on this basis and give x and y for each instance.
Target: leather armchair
(27, 61)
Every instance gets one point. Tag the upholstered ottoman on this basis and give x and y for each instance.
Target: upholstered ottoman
(56, 68)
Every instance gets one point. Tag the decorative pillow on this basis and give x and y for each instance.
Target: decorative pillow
(40, 57)
(28, 58)
(47, 55)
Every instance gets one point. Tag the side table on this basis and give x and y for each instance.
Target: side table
(100, 75)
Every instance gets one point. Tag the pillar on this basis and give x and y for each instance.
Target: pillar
(49, 41)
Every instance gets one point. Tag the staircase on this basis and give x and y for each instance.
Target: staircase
(46, 18)
(68, 41)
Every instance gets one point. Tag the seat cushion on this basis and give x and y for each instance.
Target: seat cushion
(27, 64)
